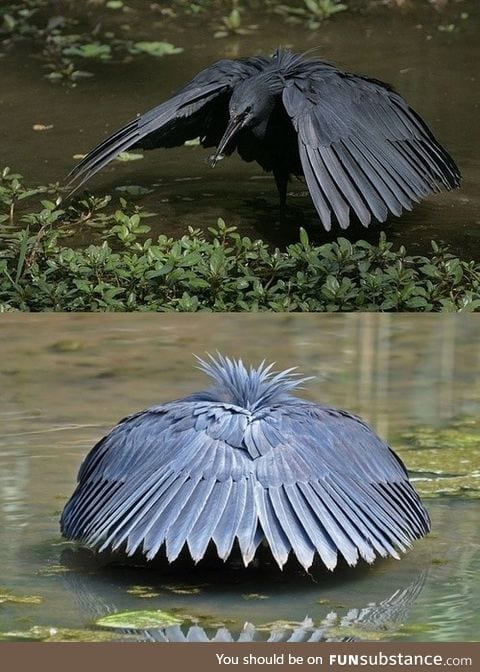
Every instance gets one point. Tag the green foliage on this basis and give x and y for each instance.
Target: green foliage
(64, 37)
(125, 269)
(90, 50)
(154, 48)
(232, 23)
(312, 11)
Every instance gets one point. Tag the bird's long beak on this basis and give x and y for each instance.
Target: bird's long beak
(234, 125)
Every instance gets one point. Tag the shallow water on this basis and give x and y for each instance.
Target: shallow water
(66, 379)
(434, 69)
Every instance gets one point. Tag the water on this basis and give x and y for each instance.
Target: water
(67, 379)
(434, 69)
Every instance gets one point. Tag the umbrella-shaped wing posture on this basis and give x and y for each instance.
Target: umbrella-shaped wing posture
(360, 146)
(245, 461)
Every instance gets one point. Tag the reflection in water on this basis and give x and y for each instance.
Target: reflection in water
(385, 616)
(237, 619)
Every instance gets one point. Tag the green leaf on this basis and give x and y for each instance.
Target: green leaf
(133, 189)
(155, 48)
(139, 620)
(91, 50)
(129, 156)
(304, 237)
(417, 302)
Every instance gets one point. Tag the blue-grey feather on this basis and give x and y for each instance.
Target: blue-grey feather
(340, 523)
(248, 525)
(168, 511)
(316, 525)
(291, 526)
(245, 460)
(201, 535)
(276, 538)
(226, 529)
(178, 533)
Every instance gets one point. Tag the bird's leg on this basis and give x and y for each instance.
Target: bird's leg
(281, 180)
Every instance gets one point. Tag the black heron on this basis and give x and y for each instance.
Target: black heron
(360, 146)
(245, 462)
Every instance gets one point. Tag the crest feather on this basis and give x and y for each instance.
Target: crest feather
(250, 388)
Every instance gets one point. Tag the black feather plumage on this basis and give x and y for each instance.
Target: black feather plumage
(361, 148)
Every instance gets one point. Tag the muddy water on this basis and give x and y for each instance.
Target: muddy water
(66, 379)
(434, 69)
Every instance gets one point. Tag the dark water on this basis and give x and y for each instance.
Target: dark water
(434, 69)
(66, 379)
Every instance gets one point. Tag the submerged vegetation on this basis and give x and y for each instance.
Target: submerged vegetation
(67, 40)
(127, 268)
(445, 461)
(67, 36)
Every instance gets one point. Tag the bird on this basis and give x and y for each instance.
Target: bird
(363, 151)
(241, 464)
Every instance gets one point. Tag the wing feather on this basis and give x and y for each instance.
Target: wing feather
(156, 505)
(178, 119)
(201, 535)
(368, 189)
(229, 522)
(167, 511)
(342, 179)
(376, 514)
(248, 525)
(317, 522)
(308, 479)
(315, 188)
(178, 533)
(295, 532)
(369, 537)
(125, 511)
(337, 203)
(359, 142)
(344, 521)
(344, 486)
(277, 539)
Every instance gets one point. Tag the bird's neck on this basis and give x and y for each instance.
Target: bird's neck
(267, 88)
(273, 82)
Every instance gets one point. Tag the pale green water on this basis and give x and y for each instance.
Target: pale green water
(66, 379)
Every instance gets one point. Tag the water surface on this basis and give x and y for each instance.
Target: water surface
(436, 70)
(67, 379)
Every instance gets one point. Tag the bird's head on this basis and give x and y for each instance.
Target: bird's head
(250, 106)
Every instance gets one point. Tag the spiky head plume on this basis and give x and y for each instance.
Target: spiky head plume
(250, 388)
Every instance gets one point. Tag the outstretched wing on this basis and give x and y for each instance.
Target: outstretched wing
(327, 484)
(182, 117)
(362, 148)
(308, 479)
(171, 475)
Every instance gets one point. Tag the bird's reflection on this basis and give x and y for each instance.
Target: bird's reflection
(100, 590)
